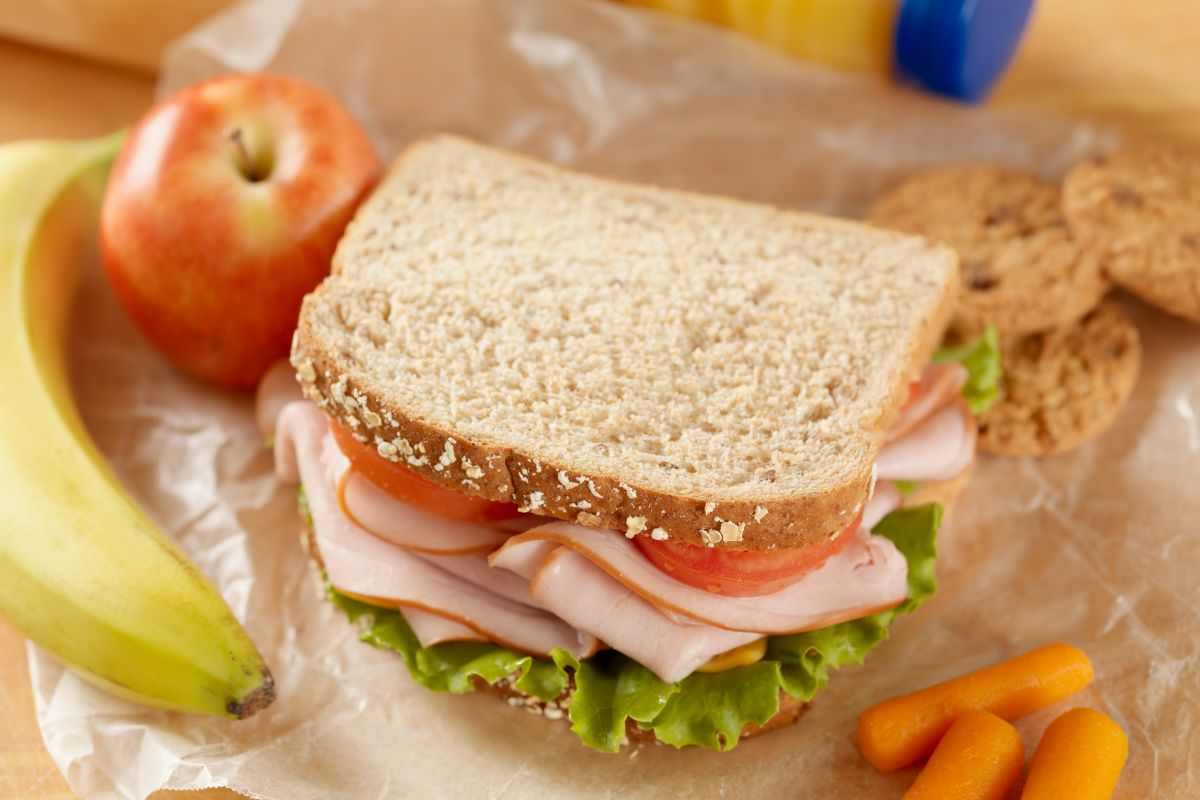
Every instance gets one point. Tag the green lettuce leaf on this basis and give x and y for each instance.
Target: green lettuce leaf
(906, 488)
(981, 357)
(610, 689)
(451, 666)
(807, 658)
(711, 708)
(704, 709)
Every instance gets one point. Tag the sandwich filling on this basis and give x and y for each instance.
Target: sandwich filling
(690, 642)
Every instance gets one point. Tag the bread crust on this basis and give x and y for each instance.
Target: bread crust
(789, 711)
(592, 499)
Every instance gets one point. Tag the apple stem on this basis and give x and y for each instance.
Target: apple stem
(254, 169)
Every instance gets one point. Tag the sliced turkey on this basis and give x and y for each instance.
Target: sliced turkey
(400, 523)
(939, 385)
(884, 500)
(867, 576)
(367, 567)
(937, 449)
(578, 592)
(431, 629)
(474, 567)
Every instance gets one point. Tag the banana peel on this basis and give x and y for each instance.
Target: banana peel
(84, 572)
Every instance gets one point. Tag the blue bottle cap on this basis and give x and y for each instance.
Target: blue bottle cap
(958, 48)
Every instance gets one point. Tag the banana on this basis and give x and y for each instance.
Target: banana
(84, 572)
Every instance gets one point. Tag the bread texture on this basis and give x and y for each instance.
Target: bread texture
(621, 356)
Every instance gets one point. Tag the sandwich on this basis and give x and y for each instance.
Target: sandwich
(650, 461)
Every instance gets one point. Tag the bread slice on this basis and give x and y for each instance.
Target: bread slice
(621, 356)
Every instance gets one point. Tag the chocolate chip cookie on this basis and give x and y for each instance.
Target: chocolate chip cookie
(1063, 387)
(1140, 207)
(1022, 268)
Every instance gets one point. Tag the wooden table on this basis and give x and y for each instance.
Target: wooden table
(1133, 64)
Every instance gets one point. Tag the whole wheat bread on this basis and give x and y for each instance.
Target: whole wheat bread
(623, 356)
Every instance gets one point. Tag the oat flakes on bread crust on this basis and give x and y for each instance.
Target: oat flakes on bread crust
(1063, 387)
(1022, 268)
(1141, 207)
(620, 356)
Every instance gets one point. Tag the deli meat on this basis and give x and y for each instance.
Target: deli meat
(938, 449)
(431, 629)
(867, 576)
(368, 568)
(938, 385)
(586, 597)
(475, 568)
(395, 521)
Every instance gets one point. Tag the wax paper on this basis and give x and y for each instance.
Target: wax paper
(1097, 547)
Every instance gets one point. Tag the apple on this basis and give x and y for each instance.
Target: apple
(223, 210)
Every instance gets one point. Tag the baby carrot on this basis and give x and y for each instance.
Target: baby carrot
(903, 730)
(979, 758)
(1080, 756)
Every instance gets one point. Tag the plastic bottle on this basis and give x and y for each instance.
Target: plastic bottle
(956, 48)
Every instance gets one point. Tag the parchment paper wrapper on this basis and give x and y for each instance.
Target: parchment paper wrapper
(1097, 548)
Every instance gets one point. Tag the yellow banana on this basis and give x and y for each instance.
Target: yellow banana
(83, 571)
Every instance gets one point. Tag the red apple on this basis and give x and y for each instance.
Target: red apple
(223, 210)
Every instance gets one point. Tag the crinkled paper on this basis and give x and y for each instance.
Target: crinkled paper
(1099, 547)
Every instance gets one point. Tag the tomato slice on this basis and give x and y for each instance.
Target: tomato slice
(741, 573)
(403, 484)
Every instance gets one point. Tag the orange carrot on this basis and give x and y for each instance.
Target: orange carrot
(979, 758)
(903, 730)
(1080, 756)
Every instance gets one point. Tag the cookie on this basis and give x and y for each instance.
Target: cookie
(1063, 387)
(1022, 269)
(1141, 207)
